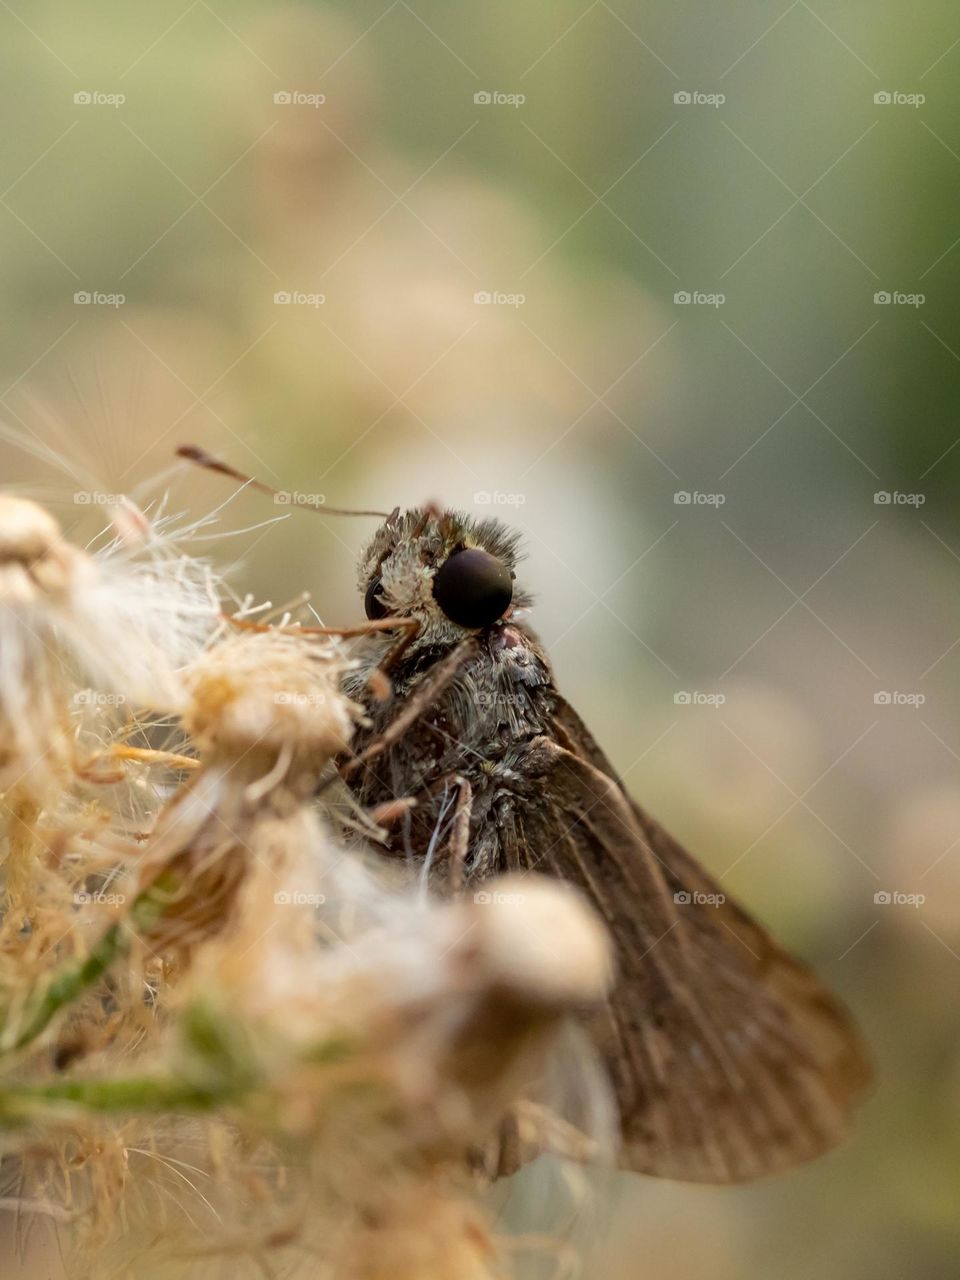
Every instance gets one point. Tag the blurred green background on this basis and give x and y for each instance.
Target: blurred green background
(733, 651)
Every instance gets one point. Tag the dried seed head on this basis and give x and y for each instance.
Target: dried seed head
(122, 622)
(458, 1004)
(146, 613)
(27, 532)
(422, 1231)
(37, 574)
(523, 954)
(540, 943)
(34, 557)
(270, 691)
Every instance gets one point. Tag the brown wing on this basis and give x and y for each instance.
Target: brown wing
(730, 1060)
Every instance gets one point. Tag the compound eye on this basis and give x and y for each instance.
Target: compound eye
(473, 588)
(372, 604)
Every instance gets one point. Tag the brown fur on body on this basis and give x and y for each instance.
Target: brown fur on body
(480, 725)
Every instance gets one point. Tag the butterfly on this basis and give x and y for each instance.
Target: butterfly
(730, 1060)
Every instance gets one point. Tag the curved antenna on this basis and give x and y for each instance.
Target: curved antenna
(201, 458)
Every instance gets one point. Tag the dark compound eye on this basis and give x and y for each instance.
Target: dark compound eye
(372, 604)
(473, 588)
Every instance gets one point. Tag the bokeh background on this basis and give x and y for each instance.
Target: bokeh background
(773, 663)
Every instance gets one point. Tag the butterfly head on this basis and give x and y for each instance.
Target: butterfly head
(452, 573)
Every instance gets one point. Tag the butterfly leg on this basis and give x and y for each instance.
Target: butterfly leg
(459, 845)
(395, 811)
(420, 701)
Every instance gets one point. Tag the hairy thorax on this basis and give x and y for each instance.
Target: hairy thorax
(478, 729)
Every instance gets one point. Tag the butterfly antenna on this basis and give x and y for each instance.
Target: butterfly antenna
(201, 458)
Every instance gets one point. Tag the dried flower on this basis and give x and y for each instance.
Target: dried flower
(224, 1038)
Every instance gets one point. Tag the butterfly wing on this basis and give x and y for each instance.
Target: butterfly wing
(730, 1059)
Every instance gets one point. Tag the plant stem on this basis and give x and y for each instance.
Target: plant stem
(147, 1093)
(72, 981)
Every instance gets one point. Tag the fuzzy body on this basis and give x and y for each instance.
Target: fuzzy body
(480, 726)
(479, 729)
